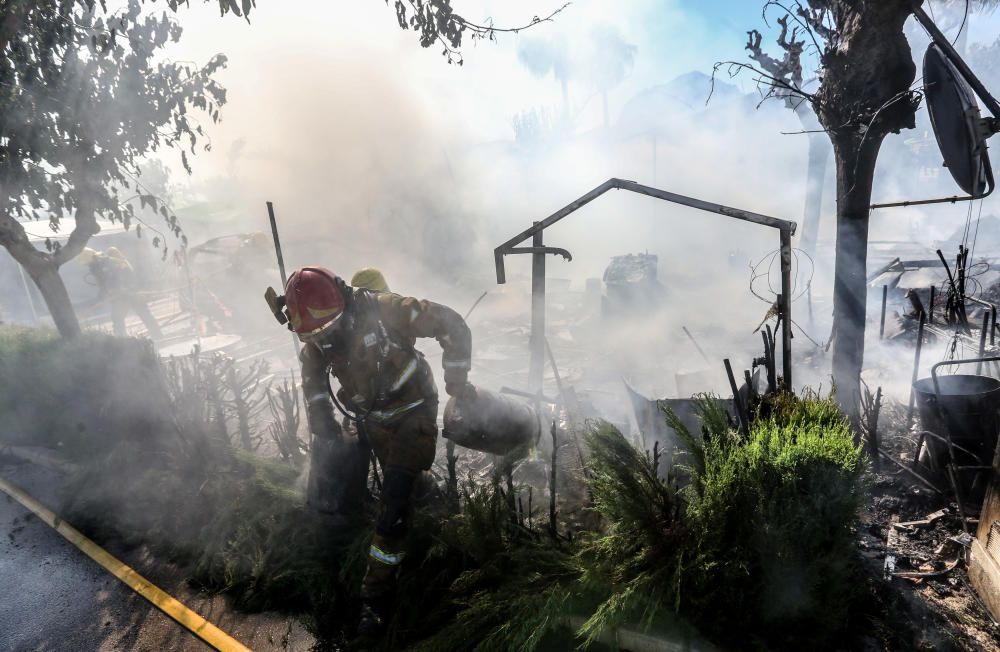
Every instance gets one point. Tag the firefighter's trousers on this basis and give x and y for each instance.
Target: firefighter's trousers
(404, 449)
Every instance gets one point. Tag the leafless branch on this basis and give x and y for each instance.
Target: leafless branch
(795, 15)
(488, 30)
(776, 87)
(817, 18)
(785, 74)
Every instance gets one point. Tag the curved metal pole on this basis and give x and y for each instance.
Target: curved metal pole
(538, 250)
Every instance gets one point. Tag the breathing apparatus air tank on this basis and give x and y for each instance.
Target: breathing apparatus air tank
(491, 423)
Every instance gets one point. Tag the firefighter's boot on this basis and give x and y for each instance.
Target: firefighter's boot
(386, 552)
(379, 585)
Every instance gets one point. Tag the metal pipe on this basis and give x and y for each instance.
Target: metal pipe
(536, 369)
(960, 262)
(947, 270)
(785, 306)
(769, 359)
(927, 483)
(281, 265)
(954, 289)
(885, 297)
(982, 341)
(481, 297)
(949, 363)
(695, 342)
(741, 414)
(960, 267)
(958, 493)
(993, 316)
(632, 186)
(930, 309)
(541, 250)
(882, 270)
(914, 299)
(924, 202)
(569, 404)
(277, 243)
(736, 213)
(809, 295)
(537, 397)
(748, 379)
(785, 227)
(916, 367)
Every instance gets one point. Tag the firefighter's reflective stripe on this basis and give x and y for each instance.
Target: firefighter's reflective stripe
(405, 375)
(316, 398)
(388, 558)
(457, 364)
(387, 415)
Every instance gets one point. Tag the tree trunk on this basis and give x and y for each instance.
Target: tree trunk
(50, 284)
(43, 268)
(819, 155)
(856, 158)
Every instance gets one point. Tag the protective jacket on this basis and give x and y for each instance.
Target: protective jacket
(383, 378)
(114, 275)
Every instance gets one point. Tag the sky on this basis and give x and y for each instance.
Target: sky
(671, 36)
(311, 66)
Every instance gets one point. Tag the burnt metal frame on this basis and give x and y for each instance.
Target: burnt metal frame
(538, 250)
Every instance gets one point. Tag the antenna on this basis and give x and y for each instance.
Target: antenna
(958, 125)
(951, 88)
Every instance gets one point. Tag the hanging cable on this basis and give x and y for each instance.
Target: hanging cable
(975, 237)
(771, 260)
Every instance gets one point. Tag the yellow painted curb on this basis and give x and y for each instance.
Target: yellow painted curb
(194, 623)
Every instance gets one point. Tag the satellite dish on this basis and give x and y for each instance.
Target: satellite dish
(957, 124)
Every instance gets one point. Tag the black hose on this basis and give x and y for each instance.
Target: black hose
(359, 421)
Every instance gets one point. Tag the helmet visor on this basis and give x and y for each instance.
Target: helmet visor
(324, 336)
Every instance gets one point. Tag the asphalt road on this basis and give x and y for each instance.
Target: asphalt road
(54, 597)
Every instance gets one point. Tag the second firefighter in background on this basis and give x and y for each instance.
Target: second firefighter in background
(367, 339)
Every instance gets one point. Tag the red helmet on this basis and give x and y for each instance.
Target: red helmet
(314, 297)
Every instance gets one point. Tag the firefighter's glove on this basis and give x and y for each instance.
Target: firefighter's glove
(462, 391)
(456, 378)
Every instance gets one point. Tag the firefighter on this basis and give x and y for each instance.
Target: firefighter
(370, 278)
(366, 340)
(116, 283)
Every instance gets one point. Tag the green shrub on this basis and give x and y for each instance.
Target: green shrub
(635, 563)
(79, 395)
(485, 581)
(772, 522)
(756, 550)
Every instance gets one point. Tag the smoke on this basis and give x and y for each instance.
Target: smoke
(375, 152)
